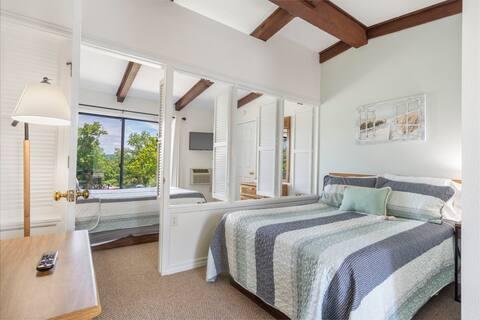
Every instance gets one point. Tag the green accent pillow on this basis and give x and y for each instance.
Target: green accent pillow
(366, 200)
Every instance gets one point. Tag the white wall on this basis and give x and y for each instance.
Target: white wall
(471, 159)
(424, 59)
(27, 55)
(103, 99)
(199, 118)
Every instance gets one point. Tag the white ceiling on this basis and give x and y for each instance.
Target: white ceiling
(243, 15)
(246, 15)
(307, 35)
(377, 11)
(182, 82)
(103, 72)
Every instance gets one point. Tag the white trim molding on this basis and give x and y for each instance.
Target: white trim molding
(52, 28)
(185, 266)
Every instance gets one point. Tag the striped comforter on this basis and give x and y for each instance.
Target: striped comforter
(316, 262)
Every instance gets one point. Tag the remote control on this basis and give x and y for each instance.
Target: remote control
(47, 262)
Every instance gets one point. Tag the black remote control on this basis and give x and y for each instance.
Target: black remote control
(47, 262)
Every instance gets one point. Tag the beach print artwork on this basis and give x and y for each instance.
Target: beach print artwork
(392, 120)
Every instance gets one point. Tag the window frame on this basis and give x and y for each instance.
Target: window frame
(122, 139)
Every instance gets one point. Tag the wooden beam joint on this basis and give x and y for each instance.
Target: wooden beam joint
(409, 20)
(327, 17)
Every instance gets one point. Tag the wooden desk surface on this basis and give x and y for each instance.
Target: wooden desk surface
(70, 292)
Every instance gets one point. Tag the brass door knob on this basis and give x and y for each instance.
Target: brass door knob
(71, 195)
(84, 194)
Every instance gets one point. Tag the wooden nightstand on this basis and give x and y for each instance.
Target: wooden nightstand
(458, 238)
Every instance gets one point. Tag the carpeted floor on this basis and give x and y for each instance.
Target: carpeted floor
(131, 288)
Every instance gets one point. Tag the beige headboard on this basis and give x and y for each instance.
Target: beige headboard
(342, 174)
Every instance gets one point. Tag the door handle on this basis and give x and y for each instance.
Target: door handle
(71, 195)
(85, 194)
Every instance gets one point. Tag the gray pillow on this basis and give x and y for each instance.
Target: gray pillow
(419, 201)
(333, 187)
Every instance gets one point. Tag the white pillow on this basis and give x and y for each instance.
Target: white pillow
(452, 210)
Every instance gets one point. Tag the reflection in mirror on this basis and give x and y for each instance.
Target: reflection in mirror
(286, 145)
(199, 139)
(117, 145)
(256, 134)
(297, 149)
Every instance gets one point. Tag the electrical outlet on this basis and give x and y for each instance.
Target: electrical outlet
(174, 221)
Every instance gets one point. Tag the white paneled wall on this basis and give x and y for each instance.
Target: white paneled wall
(267, 143)
(302, 151)
(27, 55)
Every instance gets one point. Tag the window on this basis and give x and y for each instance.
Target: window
(116, 153)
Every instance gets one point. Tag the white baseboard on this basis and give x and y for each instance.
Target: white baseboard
(34, 224)
(38, 228)
(185, 266)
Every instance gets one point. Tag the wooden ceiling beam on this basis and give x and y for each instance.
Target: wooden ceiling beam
(409, 20)
(197, 89)
(127, 80)
(327, 17)
(333, 51)
(276, 21)
(415, 18)
(248, 98)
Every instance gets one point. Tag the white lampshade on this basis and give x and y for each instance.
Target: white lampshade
(42, 103)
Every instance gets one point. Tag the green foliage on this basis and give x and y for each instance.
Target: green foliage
(96, 170)
(141, 160)
(91, 158)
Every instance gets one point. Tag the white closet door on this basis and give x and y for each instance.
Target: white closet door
(267, 144)
(221, 146)
(247, 144)
(303, 151)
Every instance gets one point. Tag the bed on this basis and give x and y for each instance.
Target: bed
(316, 262)
(177, 195)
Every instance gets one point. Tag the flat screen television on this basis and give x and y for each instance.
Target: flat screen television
(201, 141)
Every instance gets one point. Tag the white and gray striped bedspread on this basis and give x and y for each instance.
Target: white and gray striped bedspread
(316, 262)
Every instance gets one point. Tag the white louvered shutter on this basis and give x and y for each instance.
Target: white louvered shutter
(221, 146)
(267, 142)
(27, 55)
(302, 151)
(161, 140)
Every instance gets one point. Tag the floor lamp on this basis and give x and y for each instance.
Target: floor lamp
(44, 104)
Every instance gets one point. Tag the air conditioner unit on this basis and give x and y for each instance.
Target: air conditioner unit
(200, 176)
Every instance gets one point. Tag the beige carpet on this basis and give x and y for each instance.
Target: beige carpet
(131, 288)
